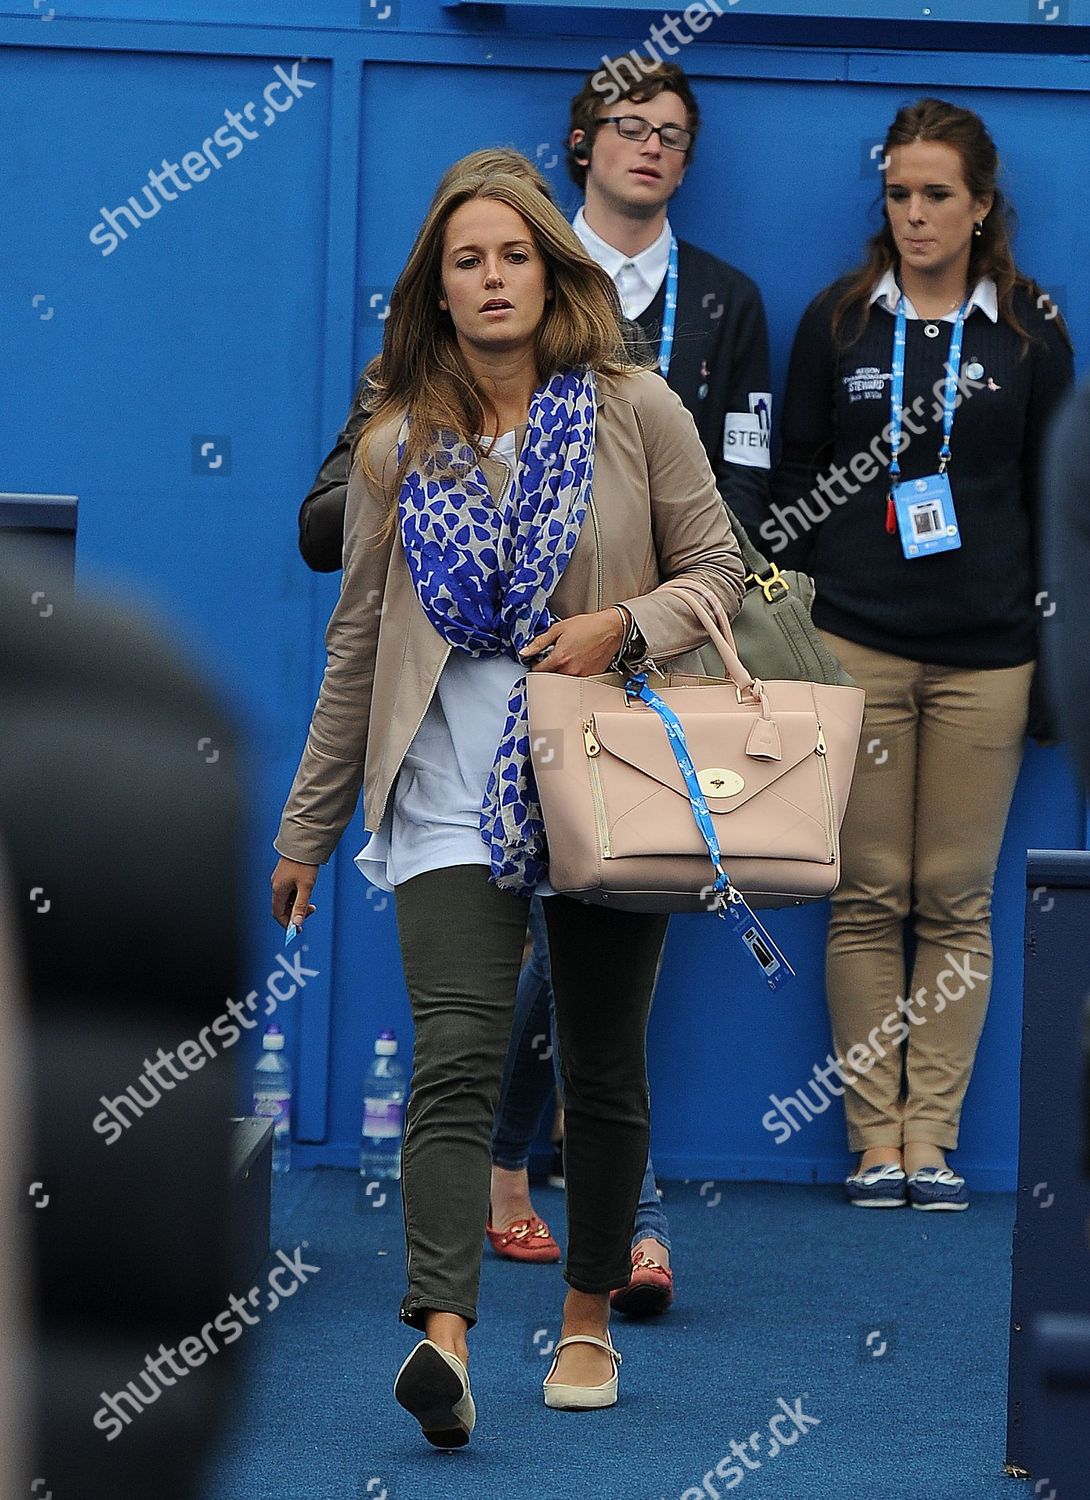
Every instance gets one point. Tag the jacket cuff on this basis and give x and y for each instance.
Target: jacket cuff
(304, 846)
(669, 628)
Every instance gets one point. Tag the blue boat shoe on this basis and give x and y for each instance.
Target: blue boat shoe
(937, 1187)
(878, 1187)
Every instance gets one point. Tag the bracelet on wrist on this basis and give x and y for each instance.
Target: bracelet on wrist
(632, 642)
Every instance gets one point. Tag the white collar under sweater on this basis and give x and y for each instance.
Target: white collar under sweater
(985, 296)
(636, 277)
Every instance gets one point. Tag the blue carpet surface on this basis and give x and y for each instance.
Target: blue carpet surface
(889, 1328)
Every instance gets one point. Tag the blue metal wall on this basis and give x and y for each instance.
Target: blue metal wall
(186, 384)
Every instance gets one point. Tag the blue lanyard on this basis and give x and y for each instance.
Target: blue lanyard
(636, 687)
(669, 312)
(724, 896)
(897, 388)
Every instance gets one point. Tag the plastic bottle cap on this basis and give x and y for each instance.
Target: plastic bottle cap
(273, 1041)
(386, 1046)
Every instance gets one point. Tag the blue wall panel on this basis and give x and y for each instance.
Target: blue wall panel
(205, 324)
(1036, 19)
(243, 311)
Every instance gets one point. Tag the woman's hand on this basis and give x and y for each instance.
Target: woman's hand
(292, 884)
(581, 646)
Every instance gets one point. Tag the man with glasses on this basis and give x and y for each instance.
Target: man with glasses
(703, 318)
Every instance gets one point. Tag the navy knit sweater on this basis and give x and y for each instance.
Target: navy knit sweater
(973, 607)
(719, 368)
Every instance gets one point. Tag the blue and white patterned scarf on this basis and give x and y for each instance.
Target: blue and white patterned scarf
(484, 574)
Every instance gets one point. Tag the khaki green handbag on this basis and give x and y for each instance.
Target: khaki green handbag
(773, 632)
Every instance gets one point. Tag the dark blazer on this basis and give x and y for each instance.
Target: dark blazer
(1065, 623)
(719, 367)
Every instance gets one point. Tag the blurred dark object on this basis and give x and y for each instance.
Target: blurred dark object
(1065, 598)
(1041, 726)
(1060, 1361)
(251, 1192)
(120, 820)
(1048, 1412)
(1086, 1093)
(1065, 609)
(14, 1280)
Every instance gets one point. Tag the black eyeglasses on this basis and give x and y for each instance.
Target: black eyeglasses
(636, 128)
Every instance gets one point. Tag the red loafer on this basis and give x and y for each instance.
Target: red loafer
(525, 1239)
(650, 1291)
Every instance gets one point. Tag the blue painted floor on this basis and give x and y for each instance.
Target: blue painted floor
(888, 1328)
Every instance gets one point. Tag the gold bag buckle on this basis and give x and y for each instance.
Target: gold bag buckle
(774, 585)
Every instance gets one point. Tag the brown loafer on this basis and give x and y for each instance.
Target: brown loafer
(525, 1239)
(649, 1292)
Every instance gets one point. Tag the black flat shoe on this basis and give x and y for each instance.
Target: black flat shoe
(433, 1386)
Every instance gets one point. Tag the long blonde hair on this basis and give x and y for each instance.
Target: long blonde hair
(486, 160)
(421, 369)
(490, 159)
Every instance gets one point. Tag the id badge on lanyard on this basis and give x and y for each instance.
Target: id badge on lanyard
(922, 510)
(721, 894)
(925, 515)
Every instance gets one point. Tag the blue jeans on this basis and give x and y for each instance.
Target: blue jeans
(532, 1072)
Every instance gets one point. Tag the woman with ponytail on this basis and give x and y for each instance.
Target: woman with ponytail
(919, 396)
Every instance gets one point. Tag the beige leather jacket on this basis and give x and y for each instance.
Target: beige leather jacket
(655, 514)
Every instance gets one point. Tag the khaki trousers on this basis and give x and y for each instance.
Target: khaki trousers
(938, 762)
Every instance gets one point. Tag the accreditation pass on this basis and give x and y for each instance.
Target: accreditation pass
(925, 516)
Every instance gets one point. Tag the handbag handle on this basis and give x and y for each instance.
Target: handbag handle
(764, 738)
(711, 614)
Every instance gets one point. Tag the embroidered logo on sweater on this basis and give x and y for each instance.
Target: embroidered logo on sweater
(866, 383)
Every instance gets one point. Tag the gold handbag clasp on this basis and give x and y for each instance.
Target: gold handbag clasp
(719, 781)
(773, 585)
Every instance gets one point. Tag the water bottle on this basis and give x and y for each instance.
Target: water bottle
(383, 1112)
(272, 1095)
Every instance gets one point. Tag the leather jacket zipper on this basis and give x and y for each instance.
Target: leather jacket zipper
(597, 549)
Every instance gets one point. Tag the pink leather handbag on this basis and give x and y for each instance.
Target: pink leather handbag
(774, 761)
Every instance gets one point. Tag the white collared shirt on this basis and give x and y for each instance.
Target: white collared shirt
(636, 277)
(984, 295)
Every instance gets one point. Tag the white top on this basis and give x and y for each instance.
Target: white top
(433, 819)
(636, 277)
(985, 296)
